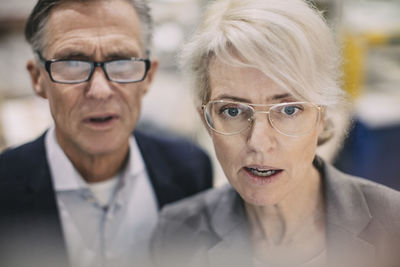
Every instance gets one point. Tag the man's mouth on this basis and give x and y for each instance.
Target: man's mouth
(104, 120)
(101, 119)
(262, 172)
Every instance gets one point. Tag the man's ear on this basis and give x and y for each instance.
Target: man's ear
(150, 74)
(36, 77)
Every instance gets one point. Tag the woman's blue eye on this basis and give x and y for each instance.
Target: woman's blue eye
(290, 110)
(231, 112)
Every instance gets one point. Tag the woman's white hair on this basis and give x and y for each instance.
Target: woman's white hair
(288, 40)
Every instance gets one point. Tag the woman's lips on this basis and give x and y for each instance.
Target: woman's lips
(262, 175)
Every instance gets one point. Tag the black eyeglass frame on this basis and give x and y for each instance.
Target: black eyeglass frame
(94, 64)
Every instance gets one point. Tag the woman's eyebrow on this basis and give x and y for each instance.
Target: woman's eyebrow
(241, 99)
(233, 98)
(279, 97)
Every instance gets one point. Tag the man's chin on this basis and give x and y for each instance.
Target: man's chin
(105, 148)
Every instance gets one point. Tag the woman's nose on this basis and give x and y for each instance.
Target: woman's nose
(261, 136)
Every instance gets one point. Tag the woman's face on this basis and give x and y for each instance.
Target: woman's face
(263, 165)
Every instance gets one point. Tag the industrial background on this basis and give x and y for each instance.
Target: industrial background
(368, 30)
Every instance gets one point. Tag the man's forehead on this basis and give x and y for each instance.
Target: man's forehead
(75, 27)
(105, 11)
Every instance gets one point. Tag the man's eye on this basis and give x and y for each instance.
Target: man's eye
(121, 62)
(73, 63)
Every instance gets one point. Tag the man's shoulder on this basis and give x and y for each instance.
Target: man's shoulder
(19, 163)
(166, 142)
(169, 151)
(20, 157)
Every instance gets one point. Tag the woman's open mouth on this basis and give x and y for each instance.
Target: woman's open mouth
(260, 175)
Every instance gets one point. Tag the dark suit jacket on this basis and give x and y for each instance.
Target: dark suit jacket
(30, 226)
(211, 229)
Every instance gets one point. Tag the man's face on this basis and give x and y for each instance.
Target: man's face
(98, 116)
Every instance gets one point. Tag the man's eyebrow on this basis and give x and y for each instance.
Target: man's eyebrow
(117, 55)
(71, 55)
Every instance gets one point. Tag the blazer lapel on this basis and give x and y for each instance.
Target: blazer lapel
(39, 221)
(347, 218)
(159, 172)
(228, 220)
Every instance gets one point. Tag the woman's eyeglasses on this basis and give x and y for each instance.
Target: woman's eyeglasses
(291, 119)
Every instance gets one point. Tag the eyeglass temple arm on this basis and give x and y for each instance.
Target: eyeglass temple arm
(40, 58)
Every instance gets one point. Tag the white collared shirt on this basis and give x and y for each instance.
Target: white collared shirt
(96, 236)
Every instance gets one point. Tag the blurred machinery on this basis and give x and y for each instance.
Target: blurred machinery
(371, 49)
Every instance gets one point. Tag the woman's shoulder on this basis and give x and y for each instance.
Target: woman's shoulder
(372, 191)
(383, 202)
(199, 205)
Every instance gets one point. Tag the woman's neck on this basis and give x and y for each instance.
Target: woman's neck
(295, 224)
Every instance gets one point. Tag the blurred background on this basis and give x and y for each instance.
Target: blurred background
(368, 30)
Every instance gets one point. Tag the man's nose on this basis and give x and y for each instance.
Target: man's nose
(99, 85)
(261, 136)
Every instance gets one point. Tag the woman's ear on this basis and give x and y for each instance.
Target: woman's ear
(326, 128)
(36, 77)
(200, 111)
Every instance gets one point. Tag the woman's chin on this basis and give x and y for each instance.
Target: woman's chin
(259, 199)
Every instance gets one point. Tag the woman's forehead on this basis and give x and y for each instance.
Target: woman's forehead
(227, 81)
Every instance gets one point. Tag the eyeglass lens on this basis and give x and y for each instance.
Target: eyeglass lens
(125, 70)
(70, 70)
(292, 119)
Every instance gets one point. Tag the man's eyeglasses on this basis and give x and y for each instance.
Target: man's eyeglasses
(291, 119)
(71, 71)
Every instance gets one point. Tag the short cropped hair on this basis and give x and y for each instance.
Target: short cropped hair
(37, 21)
(288, 40)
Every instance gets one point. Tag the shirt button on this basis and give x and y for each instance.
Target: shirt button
(91, 199)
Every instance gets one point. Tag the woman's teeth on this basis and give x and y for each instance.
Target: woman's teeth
(263, 173)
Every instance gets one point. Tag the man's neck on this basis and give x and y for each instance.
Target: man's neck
(97, 168)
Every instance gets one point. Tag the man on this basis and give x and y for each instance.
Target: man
(88, 191)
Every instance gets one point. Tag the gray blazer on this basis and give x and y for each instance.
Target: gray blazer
(211, 229)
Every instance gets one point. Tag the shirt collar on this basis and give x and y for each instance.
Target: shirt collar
(66, 177)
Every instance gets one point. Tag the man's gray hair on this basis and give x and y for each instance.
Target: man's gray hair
(37, 21)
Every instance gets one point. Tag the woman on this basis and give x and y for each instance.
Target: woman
(266, 73)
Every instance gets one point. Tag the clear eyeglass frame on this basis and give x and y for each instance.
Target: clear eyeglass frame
(318, 108)
(47, 64)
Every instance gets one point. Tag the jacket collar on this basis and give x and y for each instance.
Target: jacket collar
(160, 172)
(348, 217)
(346, 206)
